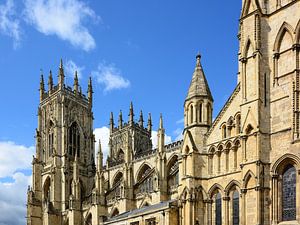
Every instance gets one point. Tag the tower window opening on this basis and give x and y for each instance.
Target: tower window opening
(200, 113)
(191, 114)
(74, 140)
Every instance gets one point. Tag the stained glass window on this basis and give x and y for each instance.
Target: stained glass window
(218, 211)
(289, 194)
(235, 208)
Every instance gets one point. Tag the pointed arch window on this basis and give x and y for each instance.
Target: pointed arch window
(51, 139)
(224, 133)
(209, 119)
(218, 209)
(200, 112)
(235, 208)
(238, 123)
(74, 140)
(173, 175)
(144, 180)
(115, 213)
(289, 193)
(191, 114)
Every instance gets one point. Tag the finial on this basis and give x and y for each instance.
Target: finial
(120, 119)
(61, 76)
(161, 135)
(100, 148)
(131, 113)
(198, 59)
(42, 86)
(111, 122)
(161, 122)
(50, 81)
(61, 66)
(99, 157)
(149, 127)
(42, 79)
(141, 120)
(90, 92)
(76, 84)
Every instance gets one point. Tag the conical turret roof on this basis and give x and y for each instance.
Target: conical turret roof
(199, 86)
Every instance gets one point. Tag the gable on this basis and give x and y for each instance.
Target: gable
(229, 110)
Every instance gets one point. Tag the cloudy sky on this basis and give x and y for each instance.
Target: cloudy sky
(140, 51)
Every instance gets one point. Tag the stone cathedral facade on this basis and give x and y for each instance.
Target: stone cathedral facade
(243, 167)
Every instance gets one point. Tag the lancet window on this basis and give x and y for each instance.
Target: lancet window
(74, 140)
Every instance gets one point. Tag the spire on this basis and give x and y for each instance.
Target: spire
(111, 122)
(131, 114)
(99, 157)
(42, 86)
(141, 120)
(90, 92)
(76, 83)
(120, 120)
(161, 135)
(161, 122)
(50, 81)
(199, 86)
(149, 125)
(61, 76)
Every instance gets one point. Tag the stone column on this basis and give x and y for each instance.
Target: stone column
(243, 208)
(227, 159)
(184, 157)
(274, 199)
(219, 162)
(209, 211)
(234, 149)
(244, 62)
(258, 205)
(244, 148)
(226, 209)
(275, 68)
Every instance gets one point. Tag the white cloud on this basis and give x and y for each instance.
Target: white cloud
(14, 157)
(64, 18)
(180, 121)
(9, 25)
(110, 77)
(13, 200)
(168, 139)
(13, 185)
(102, 134)
(70, 68)
(178, 134)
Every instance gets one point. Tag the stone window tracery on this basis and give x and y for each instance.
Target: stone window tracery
(289, 194)
(51, 139)
(144, 180)
(74, 140)
(173, 174)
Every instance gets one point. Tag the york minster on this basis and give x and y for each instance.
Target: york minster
(241, 167)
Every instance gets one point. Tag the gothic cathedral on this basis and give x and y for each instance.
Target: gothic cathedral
(240, 168)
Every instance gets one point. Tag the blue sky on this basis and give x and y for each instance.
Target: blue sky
(140, 51)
